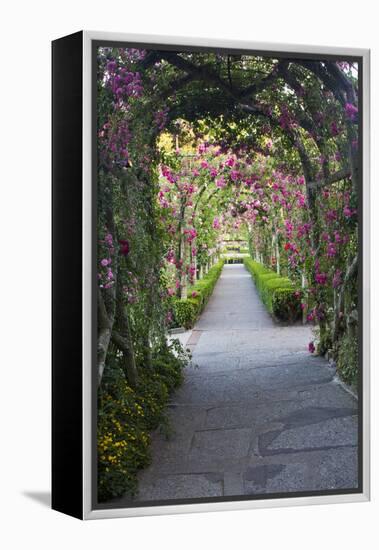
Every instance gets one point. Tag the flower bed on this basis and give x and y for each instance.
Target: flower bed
(127, 416)
(280, 296)
(186, 312)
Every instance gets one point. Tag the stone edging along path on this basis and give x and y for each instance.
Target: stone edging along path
(257, 414)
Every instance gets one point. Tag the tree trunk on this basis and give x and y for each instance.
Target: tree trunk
(305, 309)
(122, 336)
(350, 273)
(277, 254)
(147, 352)
(182, 290)
(105, 325)
(183, 274)
(106, 299)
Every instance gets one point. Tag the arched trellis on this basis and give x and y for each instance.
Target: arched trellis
(245, 100)
(183, 250)
(202, 86)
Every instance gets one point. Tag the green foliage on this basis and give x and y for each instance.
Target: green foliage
(236, 248)
(269, 287)
(278, 294)
(286, 305)
(126, 417)
(255, 268)
(347, 362)
(186, 312)
(325, 337)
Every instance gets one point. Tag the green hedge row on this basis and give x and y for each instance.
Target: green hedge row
(186, 312)
(280, 296)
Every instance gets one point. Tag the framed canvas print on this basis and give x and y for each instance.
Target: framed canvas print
(210, 275)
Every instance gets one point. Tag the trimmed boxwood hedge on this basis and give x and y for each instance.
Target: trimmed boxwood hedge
(280, 296)
(186, 312)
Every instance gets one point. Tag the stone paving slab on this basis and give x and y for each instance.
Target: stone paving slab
(333, 432)
(182, 486)
(257, 414)
(270, 478)
(325, 469)
(247, 415)
(229, 443)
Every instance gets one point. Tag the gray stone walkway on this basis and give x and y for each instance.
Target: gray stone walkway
(257, 414)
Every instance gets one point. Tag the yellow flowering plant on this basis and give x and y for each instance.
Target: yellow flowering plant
(126, 416)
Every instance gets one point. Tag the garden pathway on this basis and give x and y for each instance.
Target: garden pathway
(257, 414)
